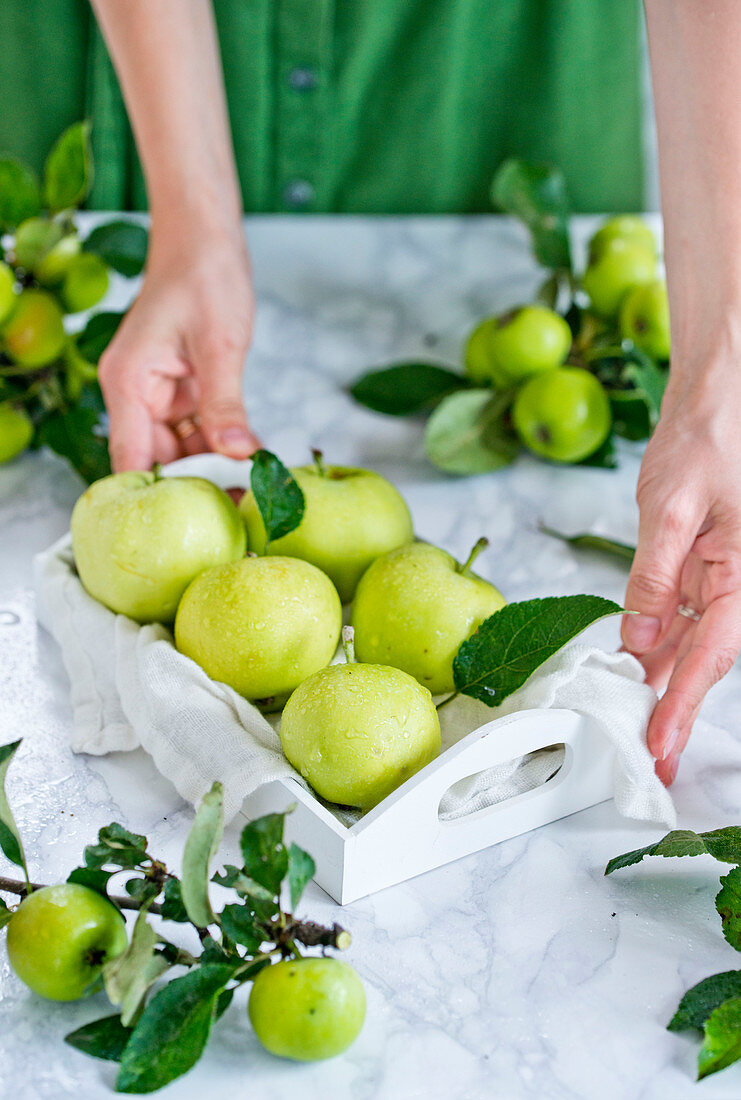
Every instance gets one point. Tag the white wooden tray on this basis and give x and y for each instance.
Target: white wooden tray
(404, 836)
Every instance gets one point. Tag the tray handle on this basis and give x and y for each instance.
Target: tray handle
(495, 743)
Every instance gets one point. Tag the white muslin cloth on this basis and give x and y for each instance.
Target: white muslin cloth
(131, 687)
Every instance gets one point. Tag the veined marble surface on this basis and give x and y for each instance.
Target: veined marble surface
(517, 972)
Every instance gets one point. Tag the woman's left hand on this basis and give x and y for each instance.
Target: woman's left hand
(685, 582)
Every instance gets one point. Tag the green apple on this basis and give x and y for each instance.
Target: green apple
(563, 415)
(260, 625)
(415, 606)
(16, 431)
(644, 319)
(8, 297)
(627, 227)
(621, 265)
(356, 732)
(307, 1009)
(527, 341)
(139, 540)
(35, 238)
(52, 268)
(85, 283)
(60, 937)
(477, 356)
(34, 334)
(352, 516)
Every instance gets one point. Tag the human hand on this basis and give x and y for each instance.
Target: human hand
(171, 375)
(688, 557)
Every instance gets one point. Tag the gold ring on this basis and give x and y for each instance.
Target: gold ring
(186, 427)
(689, 613)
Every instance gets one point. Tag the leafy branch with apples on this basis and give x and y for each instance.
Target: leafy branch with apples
(69, 940)
(49, 393)
(563, 376)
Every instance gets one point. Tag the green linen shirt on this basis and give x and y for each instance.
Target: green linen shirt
(365, 106)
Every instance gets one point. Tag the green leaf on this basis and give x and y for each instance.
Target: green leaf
(263, 851)
(648, 379)
(728, 904)
(698, 1002)
(200, 848)
(722, 1044)
(631, 414)
(120, 244)
(93, 878)
(214, 954)
(118, 847)
(277, 494)
(142, 889)
(106, 1038)
(245, 886)
(406, 388)
(172, 904)
(5, 913)
(97, 335)
(512, 643)
(75, 434)
(223, 1001)
(536, 194)
(722, 844)
(68, 169)
(594, 542)
(301, 870)
(129, 976)
(172, 1031)
(20, 197)
(10, 838)
(468, 433)
(239, 925)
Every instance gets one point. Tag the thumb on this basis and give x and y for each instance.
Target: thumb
(665, 538)
(221, 408)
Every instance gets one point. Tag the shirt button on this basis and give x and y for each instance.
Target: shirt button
(302, 80)
(298, 193)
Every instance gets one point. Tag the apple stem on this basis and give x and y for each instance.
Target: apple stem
(348, 644)
(157, 471)
(447, 699)
(480, 545)
(318, 457)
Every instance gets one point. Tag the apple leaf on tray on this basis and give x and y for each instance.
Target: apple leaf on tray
(277, 495)
(512, 643)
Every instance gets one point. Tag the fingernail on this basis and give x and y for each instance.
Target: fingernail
(641, 631)
(233, 441)
(670, 744)
(673, 768)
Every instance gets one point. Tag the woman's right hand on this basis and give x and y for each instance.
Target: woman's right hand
(171, 377)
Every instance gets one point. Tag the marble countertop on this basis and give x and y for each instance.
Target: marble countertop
(517, 972)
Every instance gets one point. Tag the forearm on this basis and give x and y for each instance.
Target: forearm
(167, 59)
(695, 50)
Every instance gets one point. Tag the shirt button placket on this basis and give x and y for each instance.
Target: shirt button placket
(303, 67)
